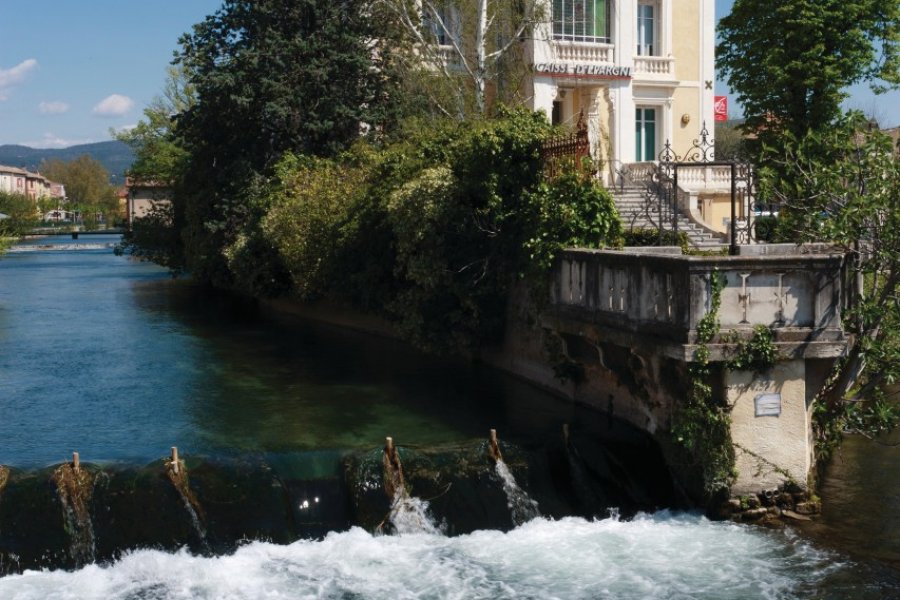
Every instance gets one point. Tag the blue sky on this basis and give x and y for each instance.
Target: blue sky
(72, 69)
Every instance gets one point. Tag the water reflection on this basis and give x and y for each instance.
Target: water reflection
(111, 357)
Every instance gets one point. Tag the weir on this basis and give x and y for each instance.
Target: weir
(60, 517)
(623, 326)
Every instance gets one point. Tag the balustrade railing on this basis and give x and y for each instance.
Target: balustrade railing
(583, 52)
(654, 65)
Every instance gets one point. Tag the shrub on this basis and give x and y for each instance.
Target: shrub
(310, 201)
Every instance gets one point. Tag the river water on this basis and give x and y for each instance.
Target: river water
(110, 357)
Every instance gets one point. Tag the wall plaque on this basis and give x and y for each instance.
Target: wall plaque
(768, 405)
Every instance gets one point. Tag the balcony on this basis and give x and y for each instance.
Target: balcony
(655, 66)
(583, 52)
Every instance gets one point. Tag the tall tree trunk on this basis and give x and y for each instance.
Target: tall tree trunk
(481, 55)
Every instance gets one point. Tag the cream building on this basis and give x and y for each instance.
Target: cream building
(642, 71)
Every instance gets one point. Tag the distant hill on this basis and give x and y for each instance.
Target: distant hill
(115, 156)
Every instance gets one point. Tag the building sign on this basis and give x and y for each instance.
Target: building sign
(721, 108)
(767, 405)
(576, 70)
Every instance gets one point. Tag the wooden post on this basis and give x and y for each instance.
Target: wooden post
(494, 446)
(175, 459)
(389, 444)
(76, 461)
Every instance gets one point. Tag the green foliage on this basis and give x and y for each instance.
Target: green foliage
(791, 62)
(730, 142)
(433, 230)
(270, 77)
(572, 211)
(758, 354)
(88, 190)
(158, 156)
(154, 237)
(702, 424)
(841, 186)
(462, 60)
(639, 236)
(312, 201)
(453, 274)
(22, 212)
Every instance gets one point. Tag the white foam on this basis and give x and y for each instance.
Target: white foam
(521, 507)
(653, 556)
(410, 515)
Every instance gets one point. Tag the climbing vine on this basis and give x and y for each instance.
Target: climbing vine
(758, 354)
(702, 426)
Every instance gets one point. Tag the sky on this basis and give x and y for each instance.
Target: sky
(70, 70)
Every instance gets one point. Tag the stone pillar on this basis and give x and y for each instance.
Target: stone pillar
(770, 421)
(544, 94)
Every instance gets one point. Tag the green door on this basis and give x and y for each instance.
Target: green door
(645, 134)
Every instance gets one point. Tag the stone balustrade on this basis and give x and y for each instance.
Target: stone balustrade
(583, 52)
(654, 65)
(659, 298)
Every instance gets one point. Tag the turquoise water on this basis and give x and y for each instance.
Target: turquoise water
(112, 358)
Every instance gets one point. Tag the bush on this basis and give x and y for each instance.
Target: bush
(433, 230)
(651, 237)
(312, 199)
(571, 211)
(22, 212)
(154, 237)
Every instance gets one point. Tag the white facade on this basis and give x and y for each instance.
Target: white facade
(642, 71)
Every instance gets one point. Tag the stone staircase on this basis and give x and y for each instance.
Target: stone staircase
(639, 211)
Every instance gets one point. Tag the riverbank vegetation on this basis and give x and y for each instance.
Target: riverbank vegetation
(20, 215)
(841, 186)
(299, 169)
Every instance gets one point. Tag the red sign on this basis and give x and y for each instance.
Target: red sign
(721, 108)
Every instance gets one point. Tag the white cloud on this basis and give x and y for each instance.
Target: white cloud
(14, 76)
(113, 106)
(124, 128)
(54, 141)
(53, 108)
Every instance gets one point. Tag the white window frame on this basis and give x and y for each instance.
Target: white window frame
(569, 21)
(654, 47)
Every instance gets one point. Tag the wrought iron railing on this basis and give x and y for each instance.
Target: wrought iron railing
(570, 148)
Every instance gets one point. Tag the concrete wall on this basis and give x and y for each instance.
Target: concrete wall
(769, 447)
(630, 320)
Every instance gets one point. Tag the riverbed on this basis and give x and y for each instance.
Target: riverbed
(110, 357)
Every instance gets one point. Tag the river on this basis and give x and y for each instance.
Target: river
(110, 357)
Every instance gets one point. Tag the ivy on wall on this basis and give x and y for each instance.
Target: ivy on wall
(702, 425)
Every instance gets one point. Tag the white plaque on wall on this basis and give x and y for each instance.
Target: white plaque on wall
(768, 405)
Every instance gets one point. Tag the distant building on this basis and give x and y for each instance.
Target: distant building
(35, 186)
(12, 180)
(142, 196)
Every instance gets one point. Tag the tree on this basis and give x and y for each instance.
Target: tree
(158, 155)
(791, 62)
(846, 182)
(468, 44)
(271, 76)
(20, 215)
(88, 190)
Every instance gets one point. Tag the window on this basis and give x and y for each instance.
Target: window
(581, 20)
(646, 29)
(645, 134)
